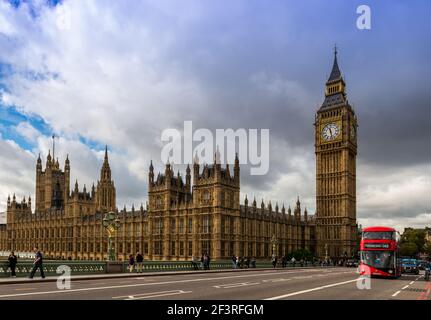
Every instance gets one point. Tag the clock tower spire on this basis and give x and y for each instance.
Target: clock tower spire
(336, 150)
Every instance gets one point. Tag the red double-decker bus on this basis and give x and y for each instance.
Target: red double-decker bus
(379, 252)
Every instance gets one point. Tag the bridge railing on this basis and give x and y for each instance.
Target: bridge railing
(24, 268)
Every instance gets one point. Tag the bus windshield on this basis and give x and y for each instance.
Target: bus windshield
(378, 259)
(375, 235)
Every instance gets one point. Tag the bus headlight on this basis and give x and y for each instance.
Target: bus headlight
(390, 271)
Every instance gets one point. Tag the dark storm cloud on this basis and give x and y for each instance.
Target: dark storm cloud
(247, 64)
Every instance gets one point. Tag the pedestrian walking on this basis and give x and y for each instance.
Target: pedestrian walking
(12, 259)
(139, 262)
(253, 262)
(205, 262)
(195, 263)
(274, 261)
(283, 262)
(247, 262)
(234, 263)
(208, 261)
(131, 263)
(37, 263)
(241, 262)
(202, 262)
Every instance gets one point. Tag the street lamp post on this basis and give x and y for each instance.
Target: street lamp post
(274, 242)
(111, 223)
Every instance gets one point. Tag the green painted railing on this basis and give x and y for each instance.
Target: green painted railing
(24, 268)
(157, 266)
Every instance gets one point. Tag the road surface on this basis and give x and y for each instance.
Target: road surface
(278, 284)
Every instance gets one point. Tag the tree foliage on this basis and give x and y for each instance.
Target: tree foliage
(413, 242)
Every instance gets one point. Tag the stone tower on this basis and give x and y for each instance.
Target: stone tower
(105, 195)
(52, 185)
(336, 150)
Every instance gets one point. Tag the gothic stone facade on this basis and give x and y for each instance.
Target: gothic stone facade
(182, 220)
(186, 220)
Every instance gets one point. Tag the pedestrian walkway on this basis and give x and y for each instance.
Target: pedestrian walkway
(4, 281)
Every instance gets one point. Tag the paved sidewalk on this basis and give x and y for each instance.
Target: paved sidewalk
(37, 278)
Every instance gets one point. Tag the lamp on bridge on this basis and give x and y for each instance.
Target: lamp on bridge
(274, 242)
(111, 223)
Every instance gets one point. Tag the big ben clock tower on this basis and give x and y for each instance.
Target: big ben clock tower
(336, 150)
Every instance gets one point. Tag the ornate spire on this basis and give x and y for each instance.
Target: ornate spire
(236, 169)
(335, 73)
(105, 172)
(48, 157)
(39, 163)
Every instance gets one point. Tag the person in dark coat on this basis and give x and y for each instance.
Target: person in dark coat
(208, 261)
(234, 265)
(139, 262)
(37, 264)
(274, 262)
(13, 260)
(253, 262)
(131, 263)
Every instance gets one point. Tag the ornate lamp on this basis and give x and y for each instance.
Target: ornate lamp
(274, 242)
(111, 223)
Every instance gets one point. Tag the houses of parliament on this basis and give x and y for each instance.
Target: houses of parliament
(182, 219)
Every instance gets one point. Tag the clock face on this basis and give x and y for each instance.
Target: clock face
(330, 132)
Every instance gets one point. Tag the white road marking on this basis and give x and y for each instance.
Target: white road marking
(276, 280)
(235, 285)
(149, 295)
(411, 282)
(147, 284)
(310, 290)
(405, 287)
(396, 293)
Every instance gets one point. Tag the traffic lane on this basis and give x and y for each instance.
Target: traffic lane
(260, 289)
(49, 286)
(365, 289)
(198, 286)
(50, 289)
(417, 289)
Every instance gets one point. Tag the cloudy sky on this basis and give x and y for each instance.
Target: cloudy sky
(120, 75)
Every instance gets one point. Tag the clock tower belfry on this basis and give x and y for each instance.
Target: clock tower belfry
(336, 150)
